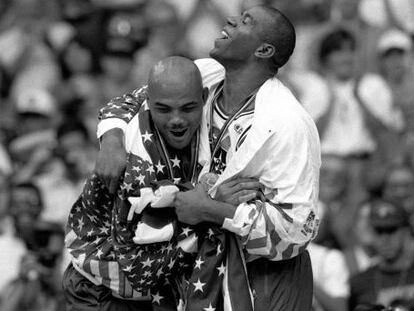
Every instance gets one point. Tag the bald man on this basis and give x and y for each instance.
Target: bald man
(134, 234)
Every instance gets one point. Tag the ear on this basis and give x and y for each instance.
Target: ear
(205, 95)
(265, 50)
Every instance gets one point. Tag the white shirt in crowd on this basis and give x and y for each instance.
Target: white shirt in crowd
(346, 132)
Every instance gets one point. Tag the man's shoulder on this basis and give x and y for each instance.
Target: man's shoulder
(205, 64)
(211, 71)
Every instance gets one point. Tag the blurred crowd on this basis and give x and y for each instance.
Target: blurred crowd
(353, 70)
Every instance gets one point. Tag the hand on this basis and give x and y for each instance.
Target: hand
(190, 206)
(111, 160)
(238, 190)
(195, 206)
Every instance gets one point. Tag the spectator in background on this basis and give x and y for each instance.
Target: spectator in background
(118, 59)
(393, 277)
(23, 211)
(24, 55)
(32, 148)
(395, 63)
(30, 270)
(7, 234)
(399, 186)
(78, 93)
(75, 156)
(330, 279)
(335, 228)
(359, 112)
(342, 226)
(165, 38)
(361, 255)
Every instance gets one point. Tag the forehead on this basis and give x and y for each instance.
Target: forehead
(257, 13)
(175, 92)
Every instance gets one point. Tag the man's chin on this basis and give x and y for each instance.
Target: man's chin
(177, 143)
(213, 53)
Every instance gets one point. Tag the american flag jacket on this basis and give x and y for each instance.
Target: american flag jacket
(188, 269)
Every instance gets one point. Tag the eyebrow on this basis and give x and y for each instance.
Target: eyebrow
(190, 104)
(193, 103)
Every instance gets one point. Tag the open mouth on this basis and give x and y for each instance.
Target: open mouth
(225, 35)
(178, 133)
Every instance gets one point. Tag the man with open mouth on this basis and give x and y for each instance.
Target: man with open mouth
(124, 248)
(255, 128)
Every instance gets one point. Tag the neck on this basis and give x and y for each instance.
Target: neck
(240, 82)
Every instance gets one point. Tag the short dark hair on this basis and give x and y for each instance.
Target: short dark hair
(335, 41)
(281, 35)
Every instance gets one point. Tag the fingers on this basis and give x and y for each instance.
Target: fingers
(241, 197)
(247, 197)
(248, 185)
(235, 181)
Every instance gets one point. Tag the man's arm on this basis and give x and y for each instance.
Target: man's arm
(120, 110)
(280, 224)
(114, 118)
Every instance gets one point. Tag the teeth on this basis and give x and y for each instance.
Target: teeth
(225, 35)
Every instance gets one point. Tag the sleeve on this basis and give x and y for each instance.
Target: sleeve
(281, 223)
(377, 96)
(88, 231)
(211, 71)
(120, 111)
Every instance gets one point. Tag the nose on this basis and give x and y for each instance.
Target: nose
(231, 20)
(176, 120)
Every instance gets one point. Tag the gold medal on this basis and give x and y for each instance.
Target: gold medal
(208, 180)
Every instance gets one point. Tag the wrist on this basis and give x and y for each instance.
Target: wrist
(216, 211)
(113, 137)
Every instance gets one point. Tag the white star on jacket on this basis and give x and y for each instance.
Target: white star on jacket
(147, 136)
(176, 162)
(198, 285)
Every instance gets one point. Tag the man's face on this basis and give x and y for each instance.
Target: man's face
(333, 179)
(393, 63)
(389, 242)
(25, 209)
(341, 62)
(176, 111)
(399, 185)
(240, 36)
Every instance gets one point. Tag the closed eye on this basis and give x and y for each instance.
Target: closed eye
(190, 107)
(162, 108)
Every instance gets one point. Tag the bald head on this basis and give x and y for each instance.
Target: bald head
(176, 98)
(174, 74)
